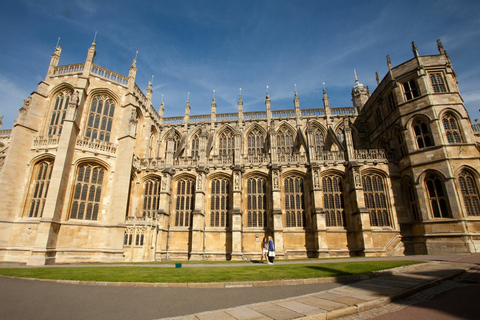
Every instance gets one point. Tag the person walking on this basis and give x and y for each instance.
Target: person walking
(264, 249)
(271, 250)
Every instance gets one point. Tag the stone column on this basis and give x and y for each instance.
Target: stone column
(121, 175)
(320, 228)
(277, 211)
(237, 226)
(198, 218)
(360, 214)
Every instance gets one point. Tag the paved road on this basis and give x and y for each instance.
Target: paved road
(26, 299)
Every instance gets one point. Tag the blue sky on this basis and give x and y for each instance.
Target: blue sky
(201, 46)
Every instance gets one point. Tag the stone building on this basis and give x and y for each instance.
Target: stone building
(92, 172)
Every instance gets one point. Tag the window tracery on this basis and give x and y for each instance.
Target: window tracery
(151, 197)
(220, 203)
(100, 119)
(195, 145)
(333, 201)
(469, 189)
(37, 195)
(451, 129)
(422, 134)
(59, 112)
(375, 199)
(184, 202)
(294, 202)
(226, 146)
(256, 142)
(88, 192)
(256, 202)
(437, 197)
(284, 141)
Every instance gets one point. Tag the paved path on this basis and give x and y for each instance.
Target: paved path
(346, 300)
(26, 299)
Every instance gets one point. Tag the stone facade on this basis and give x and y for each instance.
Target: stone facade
(92, 172)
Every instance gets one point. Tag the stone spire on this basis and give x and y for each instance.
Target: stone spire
(149, 90)
(440, 47)
(296, 103)
(187, 111)
(213, 116)
(54, 59)
(360, 93)
(377, 78)
(268, 105)
(414, 49)
(240, 108)
(132, 73)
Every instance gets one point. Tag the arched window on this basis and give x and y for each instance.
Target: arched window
(99, 125)
(294, 202)
(88, 192)
(451, 129)
(438, 84)
(437, 196)
(412, 199)
(375, 200)
(220, 203)
(318, 141)
(401, 143)
(175, 138)
(195, 146)
(37, 195)
(284, 141)
(226, 146)
(422, 134)
(151, 145)
(184, 202)
(256, 202)
(469, 189)
(151, 197)
(410, 89)
(127, 239)
(333, 201)
(59, 112)
(341, 135)
(256, 142)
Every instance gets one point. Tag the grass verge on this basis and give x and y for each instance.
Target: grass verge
(205, 274)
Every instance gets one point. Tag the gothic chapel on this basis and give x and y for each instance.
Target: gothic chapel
(91, 172)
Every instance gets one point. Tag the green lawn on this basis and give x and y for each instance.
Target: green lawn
(205, 274)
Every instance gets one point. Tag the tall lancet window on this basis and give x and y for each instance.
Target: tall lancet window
(256, 143)
(88, 192)
(333, 201)
(226, 145)
(375, 200)
(318, 141)
(220, 203)
(195, 146)
(451, 129)
(99, 125)
(37, 195)
(185, 199)
(151, 197)
(256, 202)
(285, 141)
(294, 202)
(438, 198)
(58, 113)
(469, 189)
